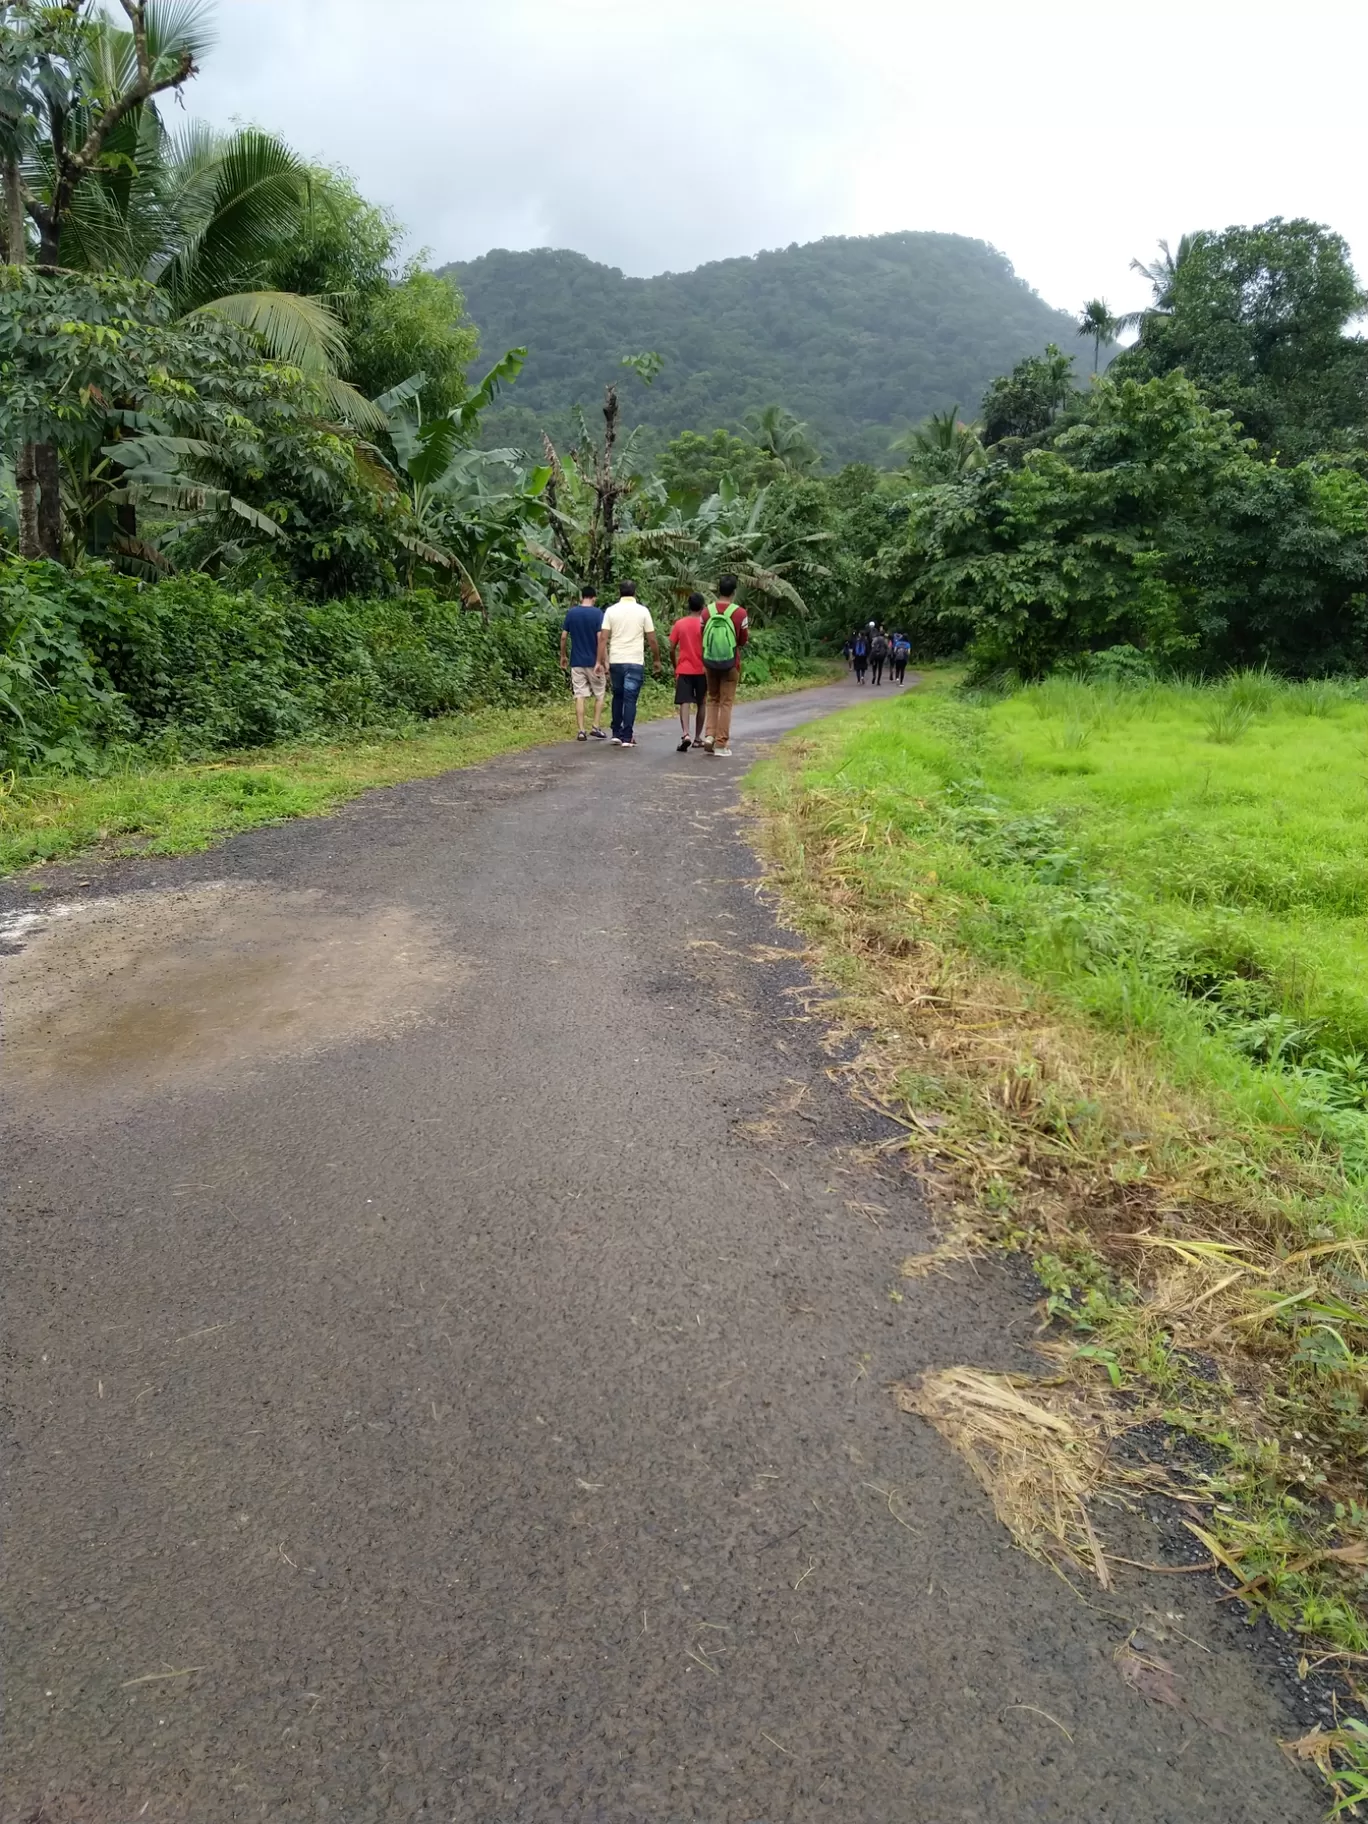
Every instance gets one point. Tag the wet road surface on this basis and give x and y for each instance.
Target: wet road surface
(450, 1379)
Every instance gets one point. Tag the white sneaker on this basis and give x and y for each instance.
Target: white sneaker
(723, 753)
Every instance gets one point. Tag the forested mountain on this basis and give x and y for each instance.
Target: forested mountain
(859, 336)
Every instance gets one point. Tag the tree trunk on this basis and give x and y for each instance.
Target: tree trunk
(49, 500)
(26, 477)
(607, 490)
(16, 245)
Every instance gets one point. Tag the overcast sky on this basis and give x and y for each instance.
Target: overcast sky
(656, 134)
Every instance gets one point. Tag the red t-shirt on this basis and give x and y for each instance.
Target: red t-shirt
(686, 636)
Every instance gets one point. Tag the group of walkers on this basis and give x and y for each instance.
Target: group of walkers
(871, 648)
(600, 648)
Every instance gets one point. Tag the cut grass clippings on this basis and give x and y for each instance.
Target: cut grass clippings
(154, 809)
(1106, 965)
(1038, 1461)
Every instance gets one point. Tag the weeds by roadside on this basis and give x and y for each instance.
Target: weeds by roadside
(1153, 1089)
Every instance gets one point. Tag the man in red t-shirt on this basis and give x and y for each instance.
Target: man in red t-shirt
(723, 680)
(691, 677)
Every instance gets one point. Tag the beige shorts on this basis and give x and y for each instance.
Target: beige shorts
(585, 681)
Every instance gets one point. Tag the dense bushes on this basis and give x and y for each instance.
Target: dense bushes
(1148, 522)
(93, 659)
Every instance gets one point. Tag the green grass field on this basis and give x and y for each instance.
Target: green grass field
(1112, 947)
(1185, 866)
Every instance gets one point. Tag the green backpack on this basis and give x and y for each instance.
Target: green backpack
(719, 639)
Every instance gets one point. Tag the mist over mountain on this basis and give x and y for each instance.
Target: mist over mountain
(860, 336)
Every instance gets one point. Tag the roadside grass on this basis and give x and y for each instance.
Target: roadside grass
(142, 807)
(1111, 949)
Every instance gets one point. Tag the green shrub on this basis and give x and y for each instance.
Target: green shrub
(57, 708)
(92, 661)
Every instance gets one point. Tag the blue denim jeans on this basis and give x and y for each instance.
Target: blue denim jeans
(627, 680)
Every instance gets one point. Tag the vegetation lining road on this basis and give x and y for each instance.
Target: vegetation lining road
(1112, 944)
(146, 808)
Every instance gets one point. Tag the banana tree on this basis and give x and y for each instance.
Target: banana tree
(731, 532)
(472, 511)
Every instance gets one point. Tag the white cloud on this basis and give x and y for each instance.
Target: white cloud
(656, 136)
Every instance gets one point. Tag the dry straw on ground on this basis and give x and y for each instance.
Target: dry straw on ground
(1039, 1459)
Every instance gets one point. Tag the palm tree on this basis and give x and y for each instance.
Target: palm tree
(783, 438)
(943, 448)
(202, 219)
(1162, 274)
(1098, 322)
(109, 189)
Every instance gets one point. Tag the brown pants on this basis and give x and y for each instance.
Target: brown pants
(721, 696)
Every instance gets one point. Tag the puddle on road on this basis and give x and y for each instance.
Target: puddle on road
(137, 993)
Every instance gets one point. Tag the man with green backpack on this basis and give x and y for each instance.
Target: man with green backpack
(726, 629)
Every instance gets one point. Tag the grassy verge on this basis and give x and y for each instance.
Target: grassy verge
(171, 810)
(1113, 948)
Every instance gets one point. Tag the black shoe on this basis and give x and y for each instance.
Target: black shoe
(684, 746)
(597, 734)
(581, 736)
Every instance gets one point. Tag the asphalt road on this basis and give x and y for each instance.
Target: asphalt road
(450, 1379)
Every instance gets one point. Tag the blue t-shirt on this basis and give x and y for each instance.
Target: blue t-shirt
(582, 623)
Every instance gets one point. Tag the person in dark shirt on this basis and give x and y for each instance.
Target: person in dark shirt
(878, 653)
(579, 656)
(860, 656)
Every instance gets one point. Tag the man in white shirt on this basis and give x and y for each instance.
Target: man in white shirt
(627, 629)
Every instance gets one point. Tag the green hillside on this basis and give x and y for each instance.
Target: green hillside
(859, 336)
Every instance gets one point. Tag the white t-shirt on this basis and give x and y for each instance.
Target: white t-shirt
(627, 623)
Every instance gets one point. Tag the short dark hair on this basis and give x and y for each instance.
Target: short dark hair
(726, 585)
(627, 588)
(696, 603)
(588, 595)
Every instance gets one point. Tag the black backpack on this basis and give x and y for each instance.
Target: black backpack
(879, 647)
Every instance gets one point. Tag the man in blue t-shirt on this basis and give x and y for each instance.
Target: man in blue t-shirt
(579, 656)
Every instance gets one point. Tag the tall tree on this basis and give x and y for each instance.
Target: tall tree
(1162, 273)
(83, 82)
(942, 448)
(607, 478)
(1260, 319)
(1027, 401)
(776, 432)
(91, 79)
(1098, 322)
(399, 319)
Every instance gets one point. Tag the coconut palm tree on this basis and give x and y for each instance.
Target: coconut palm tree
(109, 189)
(943, 448)
(782, 437)
(1098, 322)
(1162, 274)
